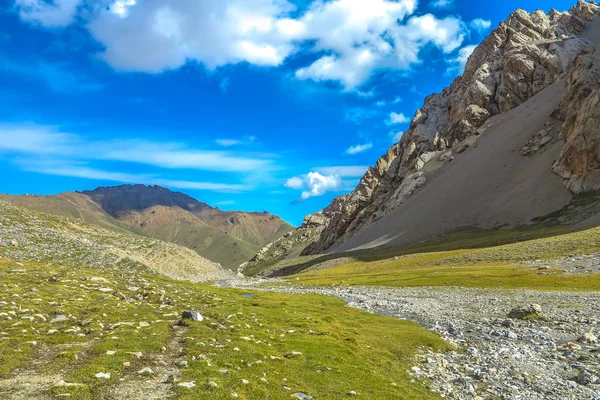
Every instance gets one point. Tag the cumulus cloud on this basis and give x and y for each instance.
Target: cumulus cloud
(397, 118)
(352, 39)
(50, 14)
(359, 148)
(314, 184)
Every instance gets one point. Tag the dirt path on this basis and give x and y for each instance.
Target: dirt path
(136, 386)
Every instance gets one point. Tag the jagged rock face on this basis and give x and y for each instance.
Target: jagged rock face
(520, 58)
(579, 161)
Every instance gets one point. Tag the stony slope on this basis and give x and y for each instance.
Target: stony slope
(227, 237)
(287, 248)
(31, 236)
(526, 56)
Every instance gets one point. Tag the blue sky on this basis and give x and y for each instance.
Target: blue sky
(275, 105)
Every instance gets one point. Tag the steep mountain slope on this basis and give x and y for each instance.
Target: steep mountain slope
(227, 237)
(481, 152)
(32, 236)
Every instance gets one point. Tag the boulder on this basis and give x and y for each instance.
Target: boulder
(526, 311)
(193, 315)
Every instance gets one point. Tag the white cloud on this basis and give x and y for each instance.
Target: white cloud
(457, 64)
(44, 140)
(318, 185)
(352, 38)
(441, 3)
(481, 25)
(314, 184)
(359, 148)
(344, 171)
(294, 183)
(397, 118)
(80, 170)
(50, 14)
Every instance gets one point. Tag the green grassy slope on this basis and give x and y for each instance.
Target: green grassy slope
(119, 316)
(181, 227)
(491, 266)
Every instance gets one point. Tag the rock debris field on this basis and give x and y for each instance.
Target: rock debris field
(548, 349)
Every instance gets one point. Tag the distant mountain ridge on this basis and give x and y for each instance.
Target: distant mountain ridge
(124, 199)
(227, 237)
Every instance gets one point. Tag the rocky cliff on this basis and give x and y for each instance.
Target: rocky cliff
(523, 56)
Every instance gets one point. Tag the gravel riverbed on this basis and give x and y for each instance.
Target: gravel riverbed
(554, 357)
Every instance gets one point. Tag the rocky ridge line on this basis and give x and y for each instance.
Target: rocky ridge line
(523, 56)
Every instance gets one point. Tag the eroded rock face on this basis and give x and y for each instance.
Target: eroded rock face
(520, 58)
(579, 161)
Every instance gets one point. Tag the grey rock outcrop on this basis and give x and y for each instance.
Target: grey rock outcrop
(520, 58)
(579, 161)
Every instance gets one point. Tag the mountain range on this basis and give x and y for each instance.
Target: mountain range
(226, 237)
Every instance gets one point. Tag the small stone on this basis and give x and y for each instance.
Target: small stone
(302, 396)
(213, 384)
(585, 377)
(245, 382)
(119, 296)
(588, 338)
(102, 375)
(187, 385)
(351, 393)
(193, 315)
(146, 371)
(59, 318)
(172, 378)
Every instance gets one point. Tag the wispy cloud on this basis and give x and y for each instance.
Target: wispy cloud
(359, 115)
(383, 103)
(60, 78)
(81, 170)
(442, 4)
(235, 142)
(481, 25)
(47, 140)
(47, 150)
(344, 171)
(457, 64)
(359, 148)
(396, 136)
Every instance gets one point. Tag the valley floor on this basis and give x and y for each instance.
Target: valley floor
(496, 358)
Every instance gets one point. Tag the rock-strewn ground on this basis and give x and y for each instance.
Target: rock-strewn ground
(496, 358)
